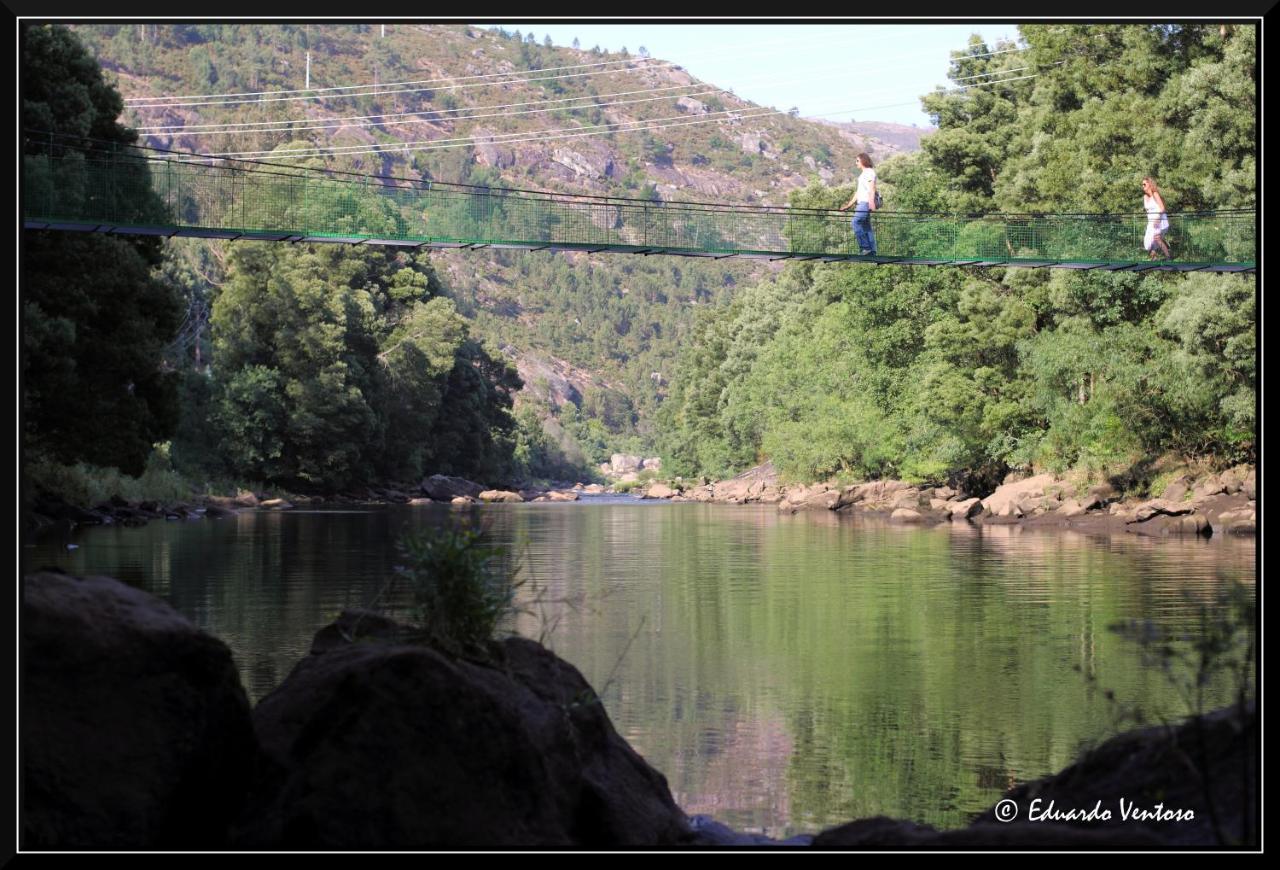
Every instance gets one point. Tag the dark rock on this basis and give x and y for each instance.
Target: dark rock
(135, 731)
(58, 510)
(1153, 770)
(876, 831)
(443, 488)
(708, 832)
(393, 745)
(1182, 768)
(354, 626)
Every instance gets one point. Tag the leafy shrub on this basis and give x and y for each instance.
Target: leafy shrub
(460, 588)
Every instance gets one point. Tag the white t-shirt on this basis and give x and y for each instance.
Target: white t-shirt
(864, 185)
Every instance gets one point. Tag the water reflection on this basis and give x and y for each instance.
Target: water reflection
(786, 672)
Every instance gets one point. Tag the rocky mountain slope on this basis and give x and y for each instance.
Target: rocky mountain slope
(662, 135)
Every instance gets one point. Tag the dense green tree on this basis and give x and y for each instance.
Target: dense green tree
(95, 322)
(340, 366)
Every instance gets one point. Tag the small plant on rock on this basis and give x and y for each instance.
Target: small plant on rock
(461, 590)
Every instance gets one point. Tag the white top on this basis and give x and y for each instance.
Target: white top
(864, 185)
(1156, 219)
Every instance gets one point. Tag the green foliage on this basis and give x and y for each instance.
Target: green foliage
(91, 485)
(93, 337)
(344, 366)
(545, 451)
(461, 588)
(938, 373)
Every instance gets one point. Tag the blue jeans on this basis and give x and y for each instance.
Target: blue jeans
(862, 228)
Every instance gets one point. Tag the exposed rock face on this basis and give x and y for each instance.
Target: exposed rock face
(596, 164)
(1078, 507)
(966, 509)
(492, 154)
(754, 143)
(621, 463)
(501, 495)
(135, 729)
(1240, 522)
(659, 490)
(392, 745)
(692, 106)
(1155, 507)
(877, 492)
(443, 488)
(1013, 499)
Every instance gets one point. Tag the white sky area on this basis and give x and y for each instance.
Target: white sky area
(840, 71)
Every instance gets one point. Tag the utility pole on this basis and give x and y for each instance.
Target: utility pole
(384, 31)
(308, 86)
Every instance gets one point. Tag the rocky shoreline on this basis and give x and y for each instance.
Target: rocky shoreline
(1215, 504)
(136, 733)
(48, 511)
(1223, 503)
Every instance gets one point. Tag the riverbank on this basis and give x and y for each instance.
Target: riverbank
(1212, 504)
(376, 740)
(49, 511)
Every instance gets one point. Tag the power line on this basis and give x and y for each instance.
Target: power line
(563, 133)
(318, 91)
(382, 90)
(303, 125)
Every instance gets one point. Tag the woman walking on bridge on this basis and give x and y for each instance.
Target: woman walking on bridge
(1157, 219)
(866, 199)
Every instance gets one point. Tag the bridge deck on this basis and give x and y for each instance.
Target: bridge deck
(137, 192)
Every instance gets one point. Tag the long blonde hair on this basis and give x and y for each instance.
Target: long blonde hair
(1155, 191)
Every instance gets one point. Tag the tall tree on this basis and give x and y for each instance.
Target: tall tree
(95, 321)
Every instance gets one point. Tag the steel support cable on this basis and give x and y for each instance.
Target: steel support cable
(317, 93)
(384, 120)
(382, 90)
(692, 207)
(574, 132)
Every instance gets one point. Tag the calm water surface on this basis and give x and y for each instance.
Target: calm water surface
(786, 672)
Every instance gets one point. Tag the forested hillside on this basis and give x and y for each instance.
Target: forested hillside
(327, 369)
(613, 324)
(947, 373)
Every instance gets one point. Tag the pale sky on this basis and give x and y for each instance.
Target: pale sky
(868, 72)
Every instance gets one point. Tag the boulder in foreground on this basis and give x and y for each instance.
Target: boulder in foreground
(135, 730)
(375, 742)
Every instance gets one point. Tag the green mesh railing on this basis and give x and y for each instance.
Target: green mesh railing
(134, 190)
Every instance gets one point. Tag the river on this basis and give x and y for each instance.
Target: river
(786, 672)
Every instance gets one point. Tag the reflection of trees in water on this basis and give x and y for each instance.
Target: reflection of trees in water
(797, 670)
